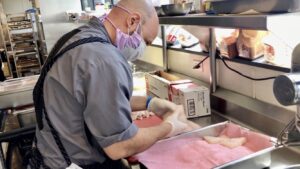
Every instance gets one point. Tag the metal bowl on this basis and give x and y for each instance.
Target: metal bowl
(177, 9)
(159, 11)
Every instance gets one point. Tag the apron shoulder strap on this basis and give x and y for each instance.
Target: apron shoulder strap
(38, 98)
(57, 47)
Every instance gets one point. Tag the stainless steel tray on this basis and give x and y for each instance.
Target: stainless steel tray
(17, 92)
(212, 130)
(215, 130)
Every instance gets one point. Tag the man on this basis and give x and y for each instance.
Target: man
(87, 95)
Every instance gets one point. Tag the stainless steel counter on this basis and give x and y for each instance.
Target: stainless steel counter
(209, 120)
(280, 158)
(17, 92)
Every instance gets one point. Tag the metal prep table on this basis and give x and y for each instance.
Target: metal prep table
(14, 94)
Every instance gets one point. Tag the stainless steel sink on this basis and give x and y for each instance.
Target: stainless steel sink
(279, 158)
(284, 157)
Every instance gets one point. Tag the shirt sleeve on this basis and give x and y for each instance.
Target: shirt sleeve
(107, 103)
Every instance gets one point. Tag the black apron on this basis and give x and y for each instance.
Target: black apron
(36, 160)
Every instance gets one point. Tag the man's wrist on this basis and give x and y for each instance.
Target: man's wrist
(169, 127)
(149, 98)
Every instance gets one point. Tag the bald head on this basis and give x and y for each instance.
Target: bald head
(129, 15)
(145, 7)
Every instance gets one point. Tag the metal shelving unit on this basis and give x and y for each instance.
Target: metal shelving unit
(259, 62)
(254, 22)
(5, 42)
(24, 47)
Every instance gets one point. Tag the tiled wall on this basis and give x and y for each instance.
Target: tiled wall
(183, 62)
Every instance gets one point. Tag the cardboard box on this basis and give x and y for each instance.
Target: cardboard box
(250, 44)
(195, 99)
(175, 91)
(159, 84)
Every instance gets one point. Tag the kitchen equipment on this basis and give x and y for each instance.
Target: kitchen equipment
(18, 18)
(165, 146)
(159, 11)
(26, 117)
(177, 9)
(197, 6)
(17, 92)
(262, 6)
(286, 89)
(293, 167)
(282, 158)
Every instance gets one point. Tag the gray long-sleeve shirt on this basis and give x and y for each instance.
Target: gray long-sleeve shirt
(92, 85)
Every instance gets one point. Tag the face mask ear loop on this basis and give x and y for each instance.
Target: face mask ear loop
(123, 8)
(128, 31)
(139, 29)
(106, 18)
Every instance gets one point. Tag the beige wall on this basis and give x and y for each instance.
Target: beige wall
(55, 20)
(16, 6)
(153, 55)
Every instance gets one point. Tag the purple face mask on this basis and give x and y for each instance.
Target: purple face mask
(124, 40)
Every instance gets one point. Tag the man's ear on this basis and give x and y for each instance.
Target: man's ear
(133, 22)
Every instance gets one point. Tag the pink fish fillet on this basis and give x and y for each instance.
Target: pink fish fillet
(195, 153)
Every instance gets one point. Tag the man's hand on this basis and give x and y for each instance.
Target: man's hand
(177, 120)
(140, 115)
(183, 118)
(161, 106)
